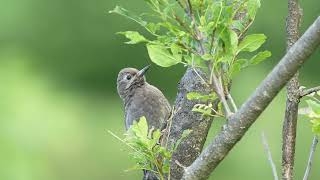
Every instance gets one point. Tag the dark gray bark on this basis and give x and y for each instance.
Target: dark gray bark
(293, 97)
(184, 119)
(240, 122)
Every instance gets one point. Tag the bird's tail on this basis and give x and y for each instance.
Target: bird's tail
(148, 175)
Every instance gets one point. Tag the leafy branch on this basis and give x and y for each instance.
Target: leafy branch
(208, 37)
(147, 150)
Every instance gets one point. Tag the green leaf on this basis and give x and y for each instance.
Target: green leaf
(226, 58)
(154, 138)
(198, 96)
(230, 39)
(315, 107)
(184, 135)
(156, 134)
(204, 109)
(176, 52)
(152, 27)
(140, 128)
(239, 65)
(237, 24)
(128, 14)
(315, 126)
(207, 57)
(161, 56)
(251, 42)
(134, 37)
(253, 6)
(259, 57)
(195, 60)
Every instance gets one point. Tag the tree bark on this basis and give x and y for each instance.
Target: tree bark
(240, 122)
(185, 118)
(293, 97)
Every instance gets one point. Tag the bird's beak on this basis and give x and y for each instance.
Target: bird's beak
(138, 75)
(143, 71)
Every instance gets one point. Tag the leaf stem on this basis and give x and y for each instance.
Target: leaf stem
(234, 106)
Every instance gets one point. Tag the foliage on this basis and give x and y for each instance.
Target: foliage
(312, 111)
(147, 150)
(201, 97)
(205, 30)
(206, 35)
(206, 108)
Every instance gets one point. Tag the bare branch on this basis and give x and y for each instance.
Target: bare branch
(312, 150)
(267, 149)
(293, 96)
(309, 91)
(240, 122)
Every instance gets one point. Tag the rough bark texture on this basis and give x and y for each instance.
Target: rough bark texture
(191, 148)
(184, 119)
(293, 97)
(240, 122)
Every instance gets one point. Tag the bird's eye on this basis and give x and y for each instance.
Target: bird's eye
(128, 77)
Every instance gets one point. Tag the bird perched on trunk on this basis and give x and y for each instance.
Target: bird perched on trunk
(142, 99)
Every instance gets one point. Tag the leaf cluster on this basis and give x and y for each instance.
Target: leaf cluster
(147, 151)
(312, 111)
(199, 33)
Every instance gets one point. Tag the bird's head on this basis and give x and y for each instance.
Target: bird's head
(129, 79)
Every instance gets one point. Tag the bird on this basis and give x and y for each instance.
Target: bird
(142, 99)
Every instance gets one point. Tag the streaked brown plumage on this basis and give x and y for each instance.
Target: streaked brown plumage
(141, 99)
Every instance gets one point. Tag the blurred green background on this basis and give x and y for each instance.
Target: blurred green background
(58, 66)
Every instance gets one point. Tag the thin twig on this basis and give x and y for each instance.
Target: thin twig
(204, 82)
(267, 149)
(183, 25)
(169, 127)
(202, 79)
(312, 150)
(181, 44)
(179, 164)
(189, 9)
(217, 113)
(234, 106)
(245, 29)
(221, 96)
(309, 91)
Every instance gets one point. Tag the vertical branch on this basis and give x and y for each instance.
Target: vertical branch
(312, 150)
(185, 118)
(293, 97)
